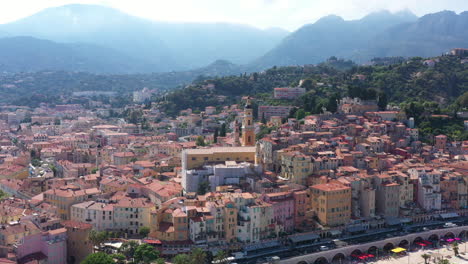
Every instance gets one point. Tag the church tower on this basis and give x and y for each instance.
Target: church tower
(248, 129)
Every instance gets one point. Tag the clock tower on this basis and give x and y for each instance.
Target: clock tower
(248, 129)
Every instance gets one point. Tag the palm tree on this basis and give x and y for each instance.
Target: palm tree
(426, 258)
(221, 256)
(198, 256)
(455, 248)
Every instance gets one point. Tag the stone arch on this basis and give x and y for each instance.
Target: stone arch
(404, 243)
(373, 250)
(303, 262)
(417, 239)
(389, 246)
(321, 260)
(462, 234)
(433, 237)
(449, 235)
(338, 257)
(356, 252)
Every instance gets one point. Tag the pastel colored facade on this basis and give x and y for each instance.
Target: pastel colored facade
(332, 203)
(196, 158)
(15, 231)
(388, 199)
(78, 244)
(267, 111)
(130, 214)
(126, 215)
(255, 218)
(301, 207)
(441, 142)
(64, 199)
(122, 158)
(283, 209)
(296, 167)
(429, 195)
(170, 224)
(53, 244)
(288, 92)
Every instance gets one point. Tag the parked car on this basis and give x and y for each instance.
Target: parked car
(324, 248)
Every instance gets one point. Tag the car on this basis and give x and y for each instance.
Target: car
(324, 248)
(449, 224)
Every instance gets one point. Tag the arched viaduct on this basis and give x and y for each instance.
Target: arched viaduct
(333, 255)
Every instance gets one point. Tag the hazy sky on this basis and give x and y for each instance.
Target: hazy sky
(288, 14)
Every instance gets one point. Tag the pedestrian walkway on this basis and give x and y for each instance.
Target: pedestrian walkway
(445, 252)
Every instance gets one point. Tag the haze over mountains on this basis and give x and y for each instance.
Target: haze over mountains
(105, 40)
(170, 46)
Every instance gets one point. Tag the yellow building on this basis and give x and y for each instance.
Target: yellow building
(13, 232)
(196, 158)
(169, 224)
(248, 130)
(296, 167)
(332, 203)
(78, 244)
(63, 199)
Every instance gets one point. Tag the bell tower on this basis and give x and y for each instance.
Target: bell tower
(248, 129)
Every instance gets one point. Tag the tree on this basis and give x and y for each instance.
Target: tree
(455, 248)
(383, 101)
(308, 84)
(97, 238)
(300, 114)
(98, 258)
(146, 253)
(3, 195)
(222, 132)
(200, 141)
(144, 231)
(264, 121)
(182, 259)
(215, 136)
(198, 256)
(160, 261)
(119, 258)
(443, 261)
(332, 104)
(128, 248)
(220, 256)
(203, 187)
(426, 258)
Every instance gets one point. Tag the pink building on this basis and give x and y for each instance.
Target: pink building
(283, 209)
(51, 244)
(440, 141)
(289, 92)
(268, 111)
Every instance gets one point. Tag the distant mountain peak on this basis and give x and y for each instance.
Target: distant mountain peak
(330, 19)
(81, 8)
(384, 14)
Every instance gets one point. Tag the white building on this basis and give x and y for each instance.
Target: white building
(229, 173)
(429, 195)
(143, 95)
(126, 215)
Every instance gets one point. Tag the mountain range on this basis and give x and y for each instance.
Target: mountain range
(169, 46)
(105, 40)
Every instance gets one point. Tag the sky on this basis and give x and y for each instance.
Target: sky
(287, 14)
